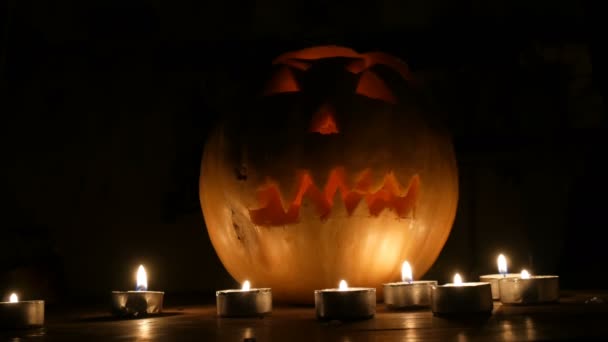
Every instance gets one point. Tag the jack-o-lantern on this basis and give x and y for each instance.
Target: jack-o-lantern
(333, 174)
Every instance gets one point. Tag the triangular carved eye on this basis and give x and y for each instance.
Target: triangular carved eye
(282, 82)
(372, 86)
(323, 121)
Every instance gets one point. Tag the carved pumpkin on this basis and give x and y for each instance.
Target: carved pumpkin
(333, 174)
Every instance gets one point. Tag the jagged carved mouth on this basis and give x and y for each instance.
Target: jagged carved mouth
(391, 195)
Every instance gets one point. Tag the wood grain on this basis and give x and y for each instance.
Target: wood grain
(574, 318)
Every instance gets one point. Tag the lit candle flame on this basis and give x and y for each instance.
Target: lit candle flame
(142, 279)
(246, 285)
(343, 285)
(502, 264)
(525, 274)
(457, 279)
(406, 272)
(13, 298)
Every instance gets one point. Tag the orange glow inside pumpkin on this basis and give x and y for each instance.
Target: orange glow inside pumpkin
(300, 65)
(373, 87)
(323, 121)
(364, 60)
(390, 195)
(282, 82)
(369, 85)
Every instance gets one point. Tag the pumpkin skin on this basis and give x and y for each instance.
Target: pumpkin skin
(334, 174)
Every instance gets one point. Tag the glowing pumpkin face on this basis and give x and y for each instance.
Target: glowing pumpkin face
(333, 175)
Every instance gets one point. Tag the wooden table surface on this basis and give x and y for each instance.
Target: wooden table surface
(578, 316)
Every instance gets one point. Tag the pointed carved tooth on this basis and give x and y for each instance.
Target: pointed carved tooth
(363, 181)
(308, 209)
(270, 195)
(304, 182)
(378, 201)
(272, 210)
(406, 204)
(338, 208)
(361, 209)
(351, 201)
(388, 213)
(412, 214)
(392, 185)
(336, 182)
(337, 198)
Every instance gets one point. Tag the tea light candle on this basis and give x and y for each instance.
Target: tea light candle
(461, 298)
(16, 314)
(140, 302)
(408, 293)
(345, 303)
(494, 278)
(245, 302)
(529, 289)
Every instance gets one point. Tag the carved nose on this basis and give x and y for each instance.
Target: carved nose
(323, 121)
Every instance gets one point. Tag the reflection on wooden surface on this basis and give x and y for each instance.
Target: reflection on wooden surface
(576, 317)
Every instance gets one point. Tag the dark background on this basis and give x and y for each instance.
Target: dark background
(106, 106)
